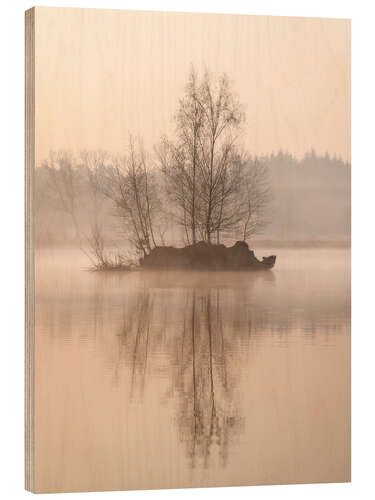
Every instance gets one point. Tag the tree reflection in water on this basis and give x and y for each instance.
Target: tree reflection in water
(195, 359)
(207, 416)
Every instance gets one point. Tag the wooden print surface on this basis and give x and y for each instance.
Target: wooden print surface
(172, 153)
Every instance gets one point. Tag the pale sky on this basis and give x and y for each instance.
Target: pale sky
(102, 74)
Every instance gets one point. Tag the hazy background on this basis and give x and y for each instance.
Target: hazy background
(310, 205)
(101, 74)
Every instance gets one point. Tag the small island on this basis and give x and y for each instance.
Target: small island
(205, 256)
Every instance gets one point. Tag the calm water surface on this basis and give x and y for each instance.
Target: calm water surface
(177, 379)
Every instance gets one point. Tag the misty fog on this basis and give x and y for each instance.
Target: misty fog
(310, 205)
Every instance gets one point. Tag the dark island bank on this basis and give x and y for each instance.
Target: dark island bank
(205, 256)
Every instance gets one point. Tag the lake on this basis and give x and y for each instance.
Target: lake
(176, 379)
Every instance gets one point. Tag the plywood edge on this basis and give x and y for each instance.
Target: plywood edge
(29, 244)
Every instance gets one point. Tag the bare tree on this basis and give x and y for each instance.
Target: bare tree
(64, 184)
(255, 197)
(65, 187)
(69, 182)
(178, 186)
(180, 159)
(200, 167)
(226, 200)
(129, 182)
(93, 164)
(223, 117)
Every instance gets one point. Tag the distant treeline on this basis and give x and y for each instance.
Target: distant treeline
(310, 202)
